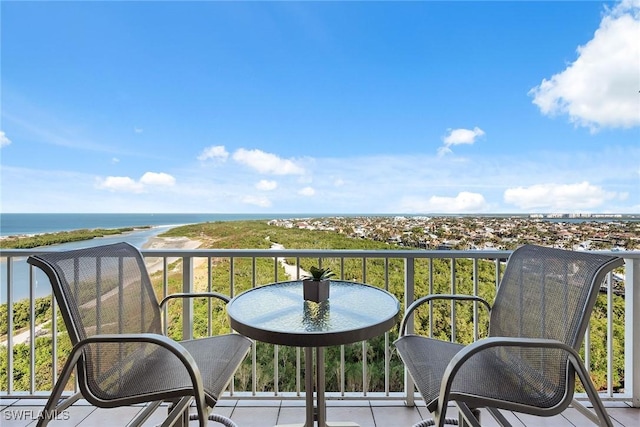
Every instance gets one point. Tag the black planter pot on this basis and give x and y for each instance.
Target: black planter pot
(315, 290)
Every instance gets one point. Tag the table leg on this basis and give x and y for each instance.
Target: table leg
(322, 403)
(314, 413)
(308, 385)
(322, 406)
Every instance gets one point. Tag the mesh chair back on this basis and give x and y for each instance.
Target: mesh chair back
(104, 290)
(546, 293)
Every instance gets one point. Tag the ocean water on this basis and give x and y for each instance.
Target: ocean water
(29, 224)
(12, 224)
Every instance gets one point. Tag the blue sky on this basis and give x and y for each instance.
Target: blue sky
(320, 107)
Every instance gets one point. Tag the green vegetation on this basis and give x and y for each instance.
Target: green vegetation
(432, 276)
(318, 274)
(29, 242)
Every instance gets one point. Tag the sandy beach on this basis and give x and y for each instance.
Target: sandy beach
(155, 264)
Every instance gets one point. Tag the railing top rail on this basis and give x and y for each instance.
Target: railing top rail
(359, 253)
(347, 253)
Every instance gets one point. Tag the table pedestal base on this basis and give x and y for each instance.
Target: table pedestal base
(316, 418)
(328, 424)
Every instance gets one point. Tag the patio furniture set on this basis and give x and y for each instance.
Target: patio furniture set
(528, 363)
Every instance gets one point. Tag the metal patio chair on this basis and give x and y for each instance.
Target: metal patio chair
(530, 358)
(114, 322)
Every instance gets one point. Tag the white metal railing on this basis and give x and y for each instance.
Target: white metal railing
(16, 275)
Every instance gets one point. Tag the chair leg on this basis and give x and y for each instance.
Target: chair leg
(53, 405)
(600, 417)
(475, 412)
(497, 415)
(468, 417)
(144, 414)
(177, 411)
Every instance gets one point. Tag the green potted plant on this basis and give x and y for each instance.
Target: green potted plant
(316, 286)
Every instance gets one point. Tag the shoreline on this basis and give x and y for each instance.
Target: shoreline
(155, 264)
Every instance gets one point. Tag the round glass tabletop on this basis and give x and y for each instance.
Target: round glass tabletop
(278, 314)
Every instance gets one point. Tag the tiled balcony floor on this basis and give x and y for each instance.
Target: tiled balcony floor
(267, 413)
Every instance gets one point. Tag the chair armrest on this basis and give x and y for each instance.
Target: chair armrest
(173, 346)
(468, 351)
(222, 297)
(453, 297)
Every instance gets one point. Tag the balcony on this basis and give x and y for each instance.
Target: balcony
(367, 384)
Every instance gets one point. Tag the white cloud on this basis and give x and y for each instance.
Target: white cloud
(559, 197)
(215, 152)
(266, 185)
(462, 203)
(159, 179)
(4, 141)
(120, 184)
(126, 184)
(458, 137)
(115, 160)
(137, 130)
(266, 162)
(307, 191)
(260, 201)
(600, 88)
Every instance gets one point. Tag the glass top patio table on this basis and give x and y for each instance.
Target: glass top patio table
(278, 314)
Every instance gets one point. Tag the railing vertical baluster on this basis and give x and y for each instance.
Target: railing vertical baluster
(409, 294)
(632, 330)
(476, 320)
(586, 345)
(276, 348)
(165, 290)
(364, 269)
(187, 304)
(254, 273)
(609, 280)
(232, 276)
(342, 350)
(298, 352)
(298, 372)
(387, 352)
(342, 372)
(77, 281)
(54, 341)
(430, 292)
(209, 302)
(276, 375)
(9, 325)
(254, 369)
(454, 332)
(365, 382)
(275, 269)
(32, 333)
